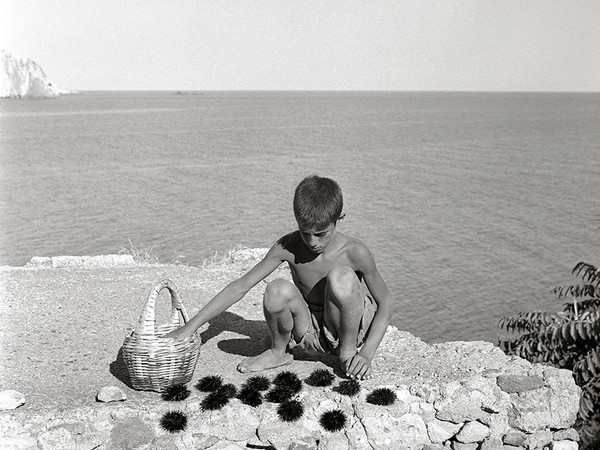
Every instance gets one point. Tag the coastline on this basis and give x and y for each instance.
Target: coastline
(64, 320)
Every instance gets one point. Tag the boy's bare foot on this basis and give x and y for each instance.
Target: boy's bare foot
(266, 360)
(357, 367)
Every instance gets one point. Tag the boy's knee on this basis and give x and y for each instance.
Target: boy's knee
(277, 294)
(343, 282)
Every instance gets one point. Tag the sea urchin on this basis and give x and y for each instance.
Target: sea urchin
(215, 400)
(250, 397)
(290, 411)
(176, 393)
(229, 390)
(219, 397)
(333, 420)
(382, 397)
(173, 421)
(348, 387)
(209, 383)
(280, 394)
(289, 380)
(320, 378)
(258, 383)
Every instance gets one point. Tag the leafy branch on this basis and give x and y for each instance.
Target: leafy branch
(568, 339)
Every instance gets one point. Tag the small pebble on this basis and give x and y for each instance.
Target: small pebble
(111, 394)
(10, 399)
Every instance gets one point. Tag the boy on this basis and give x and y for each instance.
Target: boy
(327, 308)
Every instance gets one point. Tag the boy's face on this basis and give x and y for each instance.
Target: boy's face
(318, 240)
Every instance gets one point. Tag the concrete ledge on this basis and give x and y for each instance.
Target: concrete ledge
(88, 262)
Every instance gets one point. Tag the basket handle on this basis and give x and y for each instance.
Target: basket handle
(147, 323)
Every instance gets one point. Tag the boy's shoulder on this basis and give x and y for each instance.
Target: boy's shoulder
(290, 240)
(354, 246)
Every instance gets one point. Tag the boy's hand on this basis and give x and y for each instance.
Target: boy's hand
(180, 334)
(357, 367)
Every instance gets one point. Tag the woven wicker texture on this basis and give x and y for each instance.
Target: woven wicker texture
(154, 363)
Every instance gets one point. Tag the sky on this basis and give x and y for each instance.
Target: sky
(408, 45)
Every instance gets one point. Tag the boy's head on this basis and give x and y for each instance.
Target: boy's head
(318, 203)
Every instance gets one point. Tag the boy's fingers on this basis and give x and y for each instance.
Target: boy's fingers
(359, 370)
(362, 373)
(351, 366)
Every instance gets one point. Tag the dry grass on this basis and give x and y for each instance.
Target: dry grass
(147, 255)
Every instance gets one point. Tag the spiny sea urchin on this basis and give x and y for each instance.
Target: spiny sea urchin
(209, 383)
(250, 397)
(258, 383)
(348, 387)
(289, 380)
(229, 390)
(290, 411)
(219, 397)
(215, 400)
(333, 420)
(320, 378)
(173, 421)
(382, 397)
(280, 394)
(176, 393)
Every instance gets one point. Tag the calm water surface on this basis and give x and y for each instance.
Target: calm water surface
(474, 205)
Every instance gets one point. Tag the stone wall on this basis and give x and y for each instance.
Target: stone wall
(456, 395)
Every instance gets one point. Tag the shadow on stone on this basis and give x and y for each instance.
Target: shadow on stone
(228, 321)
(258, 339)
(119, 370)
(256, 330)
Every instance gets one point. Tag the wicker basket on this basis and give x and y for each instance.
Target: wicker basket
(154, 363)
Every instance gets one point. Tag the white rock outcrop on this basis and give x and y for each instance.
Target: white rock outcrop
(458, 395)
(21, 77)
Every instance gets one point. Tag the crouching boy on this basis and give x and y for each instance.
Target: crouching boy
(337, 303)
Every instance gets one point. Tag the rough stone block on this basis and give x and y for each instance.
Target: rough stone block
(235, 422)
(67, 262)
(458, 404)
(130, 433)
(462, 446)
(23, 442)
(491, 443)
(56, 439)
(515, 438)
(538, 440)
(407, 432)
(440, 431)
(570, 434)
(473, 432)
(498, 424)
(40, 262)
(519, 383)
(564, 445)
(94, 262)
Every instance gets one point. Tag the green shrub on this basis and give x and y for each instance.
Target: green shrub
(569, 339)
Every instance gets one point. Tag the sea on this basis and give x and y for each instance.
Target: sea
(474, 205)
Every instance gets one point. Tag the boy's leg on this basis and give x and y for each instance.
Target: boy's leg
(344, 306)
(285, 312)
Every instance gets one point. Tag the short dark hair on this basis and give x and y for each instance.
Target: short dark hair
(318, 202)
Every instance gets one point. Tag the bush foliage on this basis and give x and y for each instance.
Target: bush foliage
(569, 339)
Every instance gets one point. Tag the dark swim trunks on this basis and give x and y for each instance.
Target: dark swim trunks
(318, 338)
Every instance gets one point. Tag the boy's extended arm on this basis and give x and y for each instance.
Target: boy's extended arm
(383, 315)
(230, 294)
(383, 298)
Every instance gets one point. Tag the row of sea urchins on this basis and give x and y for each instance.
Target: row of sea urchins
(284, 387)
